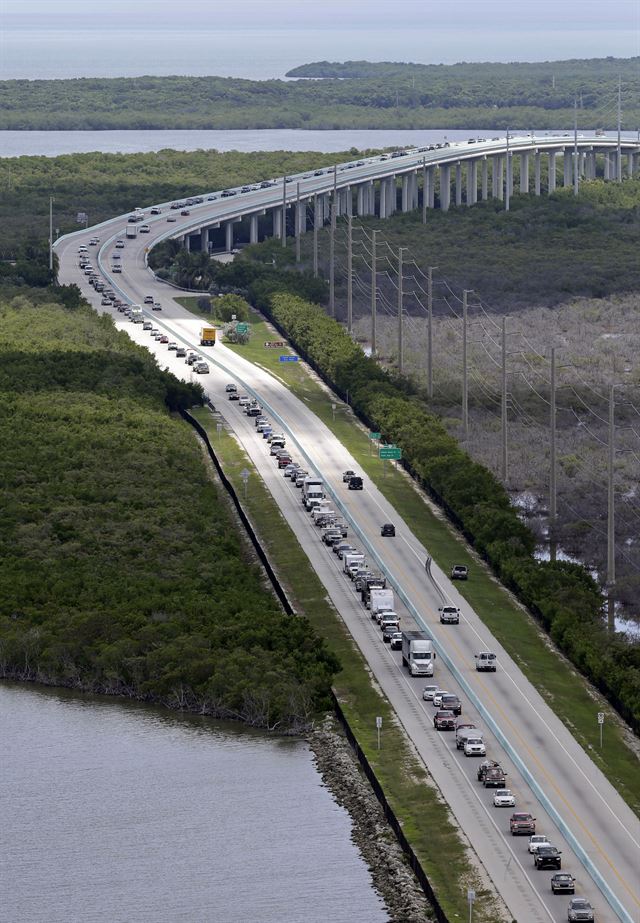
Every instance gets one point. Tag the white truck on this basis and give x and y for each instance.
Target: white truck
(131, 231)
(352, 562)
(418, 654)
(381, 601)
(486, 661)
(312, 491)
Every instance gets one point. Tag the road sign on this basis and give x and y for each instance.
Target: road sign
(374, 435)
(288, 358)
(390, 451)
(242, 328)
(378, 722)
(244, 474)
(600, 717)
(82, 218)
(471, 896)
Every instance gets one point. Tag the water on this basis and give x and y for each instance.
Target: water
(94, 46)
(116, 812)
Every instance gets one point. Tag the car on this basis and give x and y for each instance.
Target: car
(449, 615)
(262, 425)
(347, 475)
(272, 436)
(185, 212)
(201, 368)
(106, 301)
(429, 691)
(580, 909)
(147, 325)
(181, 351)
(388, 632)
(300, 476)
(254, 411)
(563, 883)
(451, 703)
(443, 720)
(388, 530)
(340, 548)
(437, 697)
(459, 572)
(144, 228)
(276, 448)
(155, 210)
(172, 345)
(504, 798)
(522, 822)
(396, 641)
(244, 400)
(267, 430)
(191, 358)
(82, 249)
(171, 218)
(116, 257)
(331, 536)
(547, 857)
(212, 198)
(355, 483)
(156, 306)
(227, 193)
(283, 461)
(537, 840)
(116, 267)
(148, 299)
(164, 338)
(234, 396)
(231, 388)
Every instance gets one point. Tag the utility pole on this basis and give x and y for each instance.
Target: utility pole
(430, 330)
(297, 222)
(611, 533)
(508, 190)
(465, 370)
(315, 235)
(50, 233)
(552, 471)
(619, 152)
(400, 311)
(284, 211)
(374, 294)
(332, 261)
(349, 273)
(505, 470)
(424, 190)
(576, 165)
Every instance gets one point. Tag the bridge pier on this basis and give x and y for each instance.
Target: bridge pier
(277, 222)
(497, 165)
(536, 173)
(253, 229)
(405, 193)
(552, 172)
(204, 240)
(567, 172)
(509, 161)
(445, 187)
(458, 183)
(630, 164)
(429, 189)
(524, 172)
(485, 179)
(472, 182)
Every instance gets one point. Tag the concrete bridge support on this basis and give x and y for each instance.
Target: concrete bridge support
(567, 167)
(458, 183)
(186, 242)
(277, 222)
(413, 189)
(509, 160)
(497, 165)
(430, 188)
(301, 216)
(406, 197)
(388, 196)
(445, 187)
(228, 233)
(472, 182)
(536, 173)
(485, 179)
(253, 229)
(552, 172)
(631, 164)
(524, 172)
(607, 165)
(590, 165)
(204, 240)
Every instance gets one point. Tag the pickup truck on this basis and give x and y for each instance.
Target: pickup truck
(494, 778)
(459, 572)
(522, 823)
(484, 767)
(449, 615)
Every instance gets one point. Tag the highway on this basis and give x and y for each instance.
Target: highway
(576, 807)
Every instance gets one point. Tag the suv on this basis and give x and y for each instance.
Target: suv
(347, 475)
(563, 883)
(148, 299)
(231, 389)
(522, 823)
(459, 572)
(449, 615)
(395, 642)
(452, 703)
(388, 530)
(580, 909)
(355, 483)
(444, 721)
(547, 857)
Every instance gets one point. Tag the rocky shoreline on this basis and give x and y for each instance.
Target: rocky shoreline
(392, 876)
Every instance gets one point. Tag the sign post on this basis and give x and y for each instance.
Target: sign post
(244, 474)
(471, 896)
(378, 728)
(218, 430)
(333, 411)
(600, 725)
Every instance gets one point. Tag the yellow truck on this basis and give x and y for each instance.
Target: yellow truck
(208, 336)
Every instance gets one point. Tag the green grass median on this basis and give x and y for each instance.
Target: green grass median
(426, 820)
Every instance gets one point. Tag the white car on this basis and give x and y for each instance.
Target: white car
(428, 692)
(537, 840)
(437, 698)
(504, 798)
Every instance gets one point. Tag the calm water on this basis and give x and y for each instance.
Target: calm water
(110, 48)
(113, 812)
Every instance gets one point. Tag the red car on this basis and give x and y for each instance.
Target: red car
(444, 720)
(522, 823)
(164, 338)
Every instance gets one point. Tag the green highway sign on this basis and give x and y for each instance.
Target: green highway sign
(390, 451)
(242, 328)
(374, 435)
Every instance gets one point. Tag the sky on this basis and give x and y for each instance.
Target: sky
(613, 19)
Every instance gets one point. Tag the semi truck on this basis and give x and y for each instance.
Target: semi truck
(312, 492)
(207, 336)
(418, 654)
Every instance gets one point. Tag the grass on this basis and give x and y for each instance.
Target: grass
(425, 818)
(567, 693)
(190, 302)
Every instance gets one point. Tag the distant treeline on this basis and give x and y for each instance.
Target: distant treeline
(483, 96)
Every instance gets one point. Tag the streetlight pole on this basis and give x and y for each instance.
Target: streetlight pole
(50, 233)
(508, 190)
